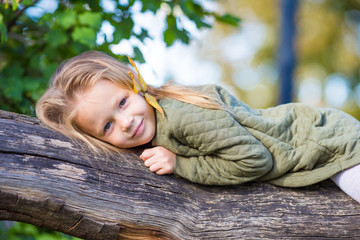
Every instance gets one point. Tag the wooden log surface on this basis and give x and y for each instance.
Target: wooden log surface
(48, 181)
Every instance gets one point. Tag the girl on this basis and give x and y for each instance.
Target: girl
(206, 136)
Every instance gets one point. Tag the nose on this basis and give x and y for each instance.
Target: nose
(125, 122)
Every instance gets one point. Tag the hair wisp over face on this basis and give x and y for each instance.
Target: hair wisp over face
(58, 106)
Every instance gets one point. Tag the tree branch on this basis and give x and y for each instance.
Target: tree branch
(47, 181)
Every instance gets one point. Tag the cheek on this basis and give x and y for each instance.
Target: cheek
(116, 139)
(142, 107)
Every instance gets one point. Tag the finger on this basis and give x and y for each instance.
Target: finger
(155, 167)
(147, 153)
(163, 171)
(149, 162)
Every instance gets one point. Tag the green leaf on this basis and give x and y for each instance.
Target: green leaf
(199, 22)
(30, 230)
(182, 35)
(66, 19)
(15, 4)
(92, 19)
(172, 32)
(196, 13)
(30, 84)
(27, 2)
(84, 35)
(169, 33)
(169, 37)
(15, 238)
(13, 89)
(152, 5)
(117, 36)
(50, 69)
(46, 236)
(94, 5)
(144, 34)
(48, 21)
(138, 55)
(171, 21)
(123, 30)
(13, 70)
(3, 30)
(229, 19)
(56, 37)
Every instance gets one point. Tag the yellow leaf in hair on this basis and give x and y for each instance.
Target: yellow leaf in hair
(153, 102)
(141, 79)
(143, 88)
(136, 85)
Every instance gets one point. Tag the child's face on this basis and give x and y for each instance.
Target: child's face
(115, 115)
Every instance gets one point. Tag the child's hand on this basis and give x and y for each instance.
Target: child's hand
(159, 160)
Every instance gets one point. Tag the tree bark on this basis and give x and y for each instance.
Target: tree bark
(48, 181)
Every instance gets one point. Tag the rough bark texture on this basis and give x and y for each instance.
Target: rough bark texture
(48, 181)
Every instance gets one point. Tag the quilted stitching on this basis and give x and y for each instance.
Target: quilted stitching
(289, 145)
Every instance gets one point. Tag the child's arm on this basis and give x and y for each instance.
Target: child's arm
(159, 160)
(210, 169)
(211, 147)
(231, 165)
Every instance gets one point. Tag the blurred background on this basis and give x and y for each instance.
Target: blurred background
(266, 52)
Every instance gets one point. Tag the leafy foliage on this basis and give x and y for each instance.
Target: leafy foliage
(23, 231)
(31, 48)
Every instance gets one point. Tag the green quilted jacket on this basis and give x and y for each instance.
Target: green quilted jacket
(291, 145)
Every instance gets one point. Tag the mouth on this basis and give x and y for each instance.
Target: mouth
(139, 129)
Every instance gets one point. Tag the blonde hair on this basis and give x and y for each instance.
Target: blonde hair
(57, 107)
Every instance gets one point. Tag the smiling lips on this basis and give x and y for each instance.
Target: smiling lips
(139, 129)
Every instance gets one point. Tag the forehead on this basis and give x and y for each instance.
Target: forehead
(101, 87)
(98, 94)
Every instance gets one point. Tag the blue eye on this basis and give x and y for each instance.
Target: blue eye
(122, 103)
(107, 126)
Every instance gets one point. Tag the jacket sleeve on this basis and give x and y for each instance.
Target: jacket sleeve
(226, 152)
(214, 170)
